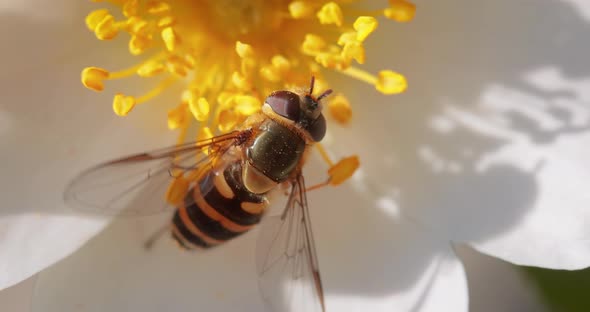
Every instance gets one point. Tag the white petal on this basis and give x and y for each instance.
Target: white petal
(489, 145)
(496, 285)
(555, 231)
(52, 128)
(367, 261)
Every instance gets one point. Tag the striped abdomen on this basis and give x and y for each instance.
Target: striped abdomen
(219, 209)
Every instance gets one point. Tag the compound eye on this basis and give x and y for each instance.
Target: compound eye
(285, 103)
(317, 129)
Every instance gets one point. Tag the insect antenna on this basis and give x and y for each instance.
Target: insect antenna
(324, 94)
(311, 84)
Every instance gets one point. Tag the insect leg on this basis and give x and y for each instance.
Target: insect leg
(149, 243)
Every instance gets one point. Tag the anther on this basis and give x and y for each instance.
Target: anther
(93, 78)
(123, 104)
(340, 109)
(330, 13)
(390, 82)
(400, 11)
(364, 26)
(177, 190)
(343, 170)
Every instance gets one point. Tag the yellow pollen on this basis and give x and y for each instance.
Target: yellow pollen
(138, 44)
(347, 37)
(240, 81)
(131, 8)
(158, 7)
(177, 117)
(170, 38)
(107, 29)
(93, 78)
(340, 109)
(166, 21)
(300, 9)
(312, 44)
(390, 82)
(354, 50)
(150, 69)
(331, 13)
(247, 104)
(95, 17)
(177, 189)
(204, 133)
(200, 108)
(244, 50)
(343, 170)
(400, 11)
(227, 120)
(123, 104)
(364, 25)
(227, 56)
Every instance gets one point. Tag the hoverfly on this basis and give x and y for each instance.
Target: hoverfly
(219, 188)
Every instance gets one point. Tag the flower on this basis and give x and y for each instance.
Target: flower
(487, 148)
(264, 46)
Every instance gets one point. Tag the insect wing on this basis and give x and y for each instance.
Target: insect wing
(137, 184)
(286, 260)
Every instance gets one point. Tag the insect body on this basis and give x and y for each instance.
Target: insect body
(229, 201)
(220, 187)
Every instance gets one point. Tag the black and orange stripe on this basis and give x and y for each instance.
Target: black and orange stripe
(220, 209)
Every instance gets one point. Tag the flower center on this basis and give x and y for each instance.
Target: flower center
(235, 20)
(230, 54)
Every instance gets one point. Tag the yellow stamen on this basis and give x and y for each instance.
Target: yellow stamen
(93, 78)
(343, 170)
(347, 37)
(150, 69)
(312, 44)
(240, 81)
(171, 38)
(354, 50)
(300, 9)
(330, 13)
(227, 120)
(390, 82)
(225, 79)
(340, 109)
(106, 29)
(200, 108)
(166, 21)
(138, 44)
(400, 11)
(163, 85)
(324, 154)
(364, 25)
(244, 50)
(177, 117)
(123, 104)
(177, 189)
(204, 134)
(131, 8)
(95, 17)
(247, 104)
(158, 7)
